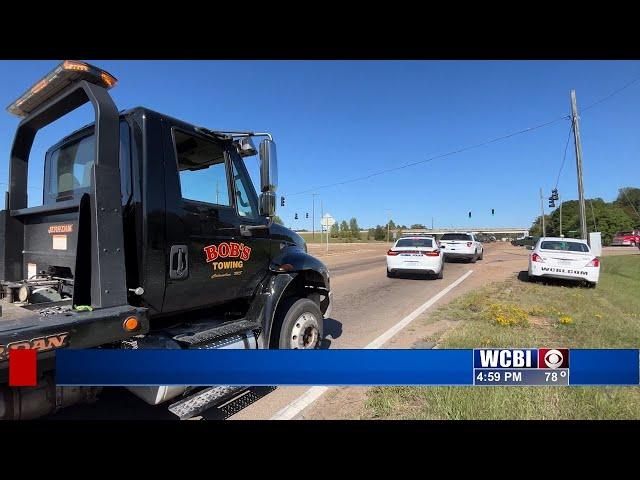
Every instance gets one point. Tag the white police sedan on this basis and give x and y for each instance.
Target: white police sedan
(564, 258)
(419, 254)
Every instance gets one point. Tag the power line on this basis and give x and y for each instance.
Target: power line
(615, 92)
(481, 144)
(630, 203)
(436, 157)
(564, 158)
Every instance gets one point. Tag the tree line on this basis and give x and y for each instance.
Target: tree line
(607, 217)
(345, 231)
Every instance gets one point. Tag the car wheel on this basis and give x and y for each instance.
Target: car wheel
(389, 274)
(440, 275)
(481, 254)
(473, 259)
(299, 325)
(591, 284)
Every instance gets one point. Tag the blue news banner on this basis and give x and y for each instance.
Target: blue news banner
(541, 366)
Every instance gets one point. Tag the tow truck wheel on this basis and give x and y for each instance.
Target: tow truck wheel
(299, 323)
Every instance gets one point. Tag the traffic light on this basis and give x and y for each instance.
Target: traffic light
(282, 201)
(296, 217)
(469, 214)
(307, 215)
(493, 211)
(551, 203)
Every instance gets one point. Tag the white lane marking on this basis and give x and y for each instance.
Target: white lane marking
(300, 403)
(311, 395)
(386, 336)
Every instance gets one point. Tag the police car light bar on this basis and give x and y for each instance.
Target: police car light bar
(63, 75)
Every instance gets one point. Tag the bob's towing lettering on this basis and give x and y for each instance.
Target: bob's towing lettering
(227, 250)
(225, 265)
(41, 344)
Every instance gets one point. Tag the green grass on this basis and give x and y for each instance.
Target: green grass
(605, 317)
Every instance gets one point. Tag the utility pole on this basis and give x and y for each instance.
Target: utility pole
(544, 230)
(578, 145)
(313, 218)
(322, 227)
(560, 200)
(388, 222)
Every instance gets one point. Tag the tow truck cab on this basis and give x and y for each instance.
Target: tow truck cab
(194, 236)
(148, 217)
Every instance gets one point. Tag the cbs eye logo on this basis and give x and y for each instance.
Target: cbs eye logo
(553, 358)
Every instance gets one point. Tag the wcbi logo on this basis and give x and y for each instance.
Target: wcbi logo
(505, 358)
(553, 358)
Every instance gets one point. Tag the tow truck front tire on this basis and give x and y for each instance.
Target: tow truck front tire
(298, 325)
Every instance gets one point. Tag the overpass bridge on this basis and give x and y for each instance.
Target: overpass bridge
(475, 230)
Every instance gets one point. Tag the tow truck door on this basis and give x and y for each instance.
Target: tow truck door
(209, 261)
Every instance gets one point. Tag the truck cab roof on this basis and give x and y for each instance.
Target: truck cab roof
(130, 112)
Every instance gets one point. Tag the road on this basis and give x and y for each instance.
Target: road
(366, 304)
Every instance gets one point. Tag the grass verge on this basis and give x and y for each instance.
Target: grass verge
(516, 313)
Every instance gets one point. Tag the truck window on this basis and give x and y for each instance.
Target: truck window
(246, 201)
(69, 167)
(203, 173)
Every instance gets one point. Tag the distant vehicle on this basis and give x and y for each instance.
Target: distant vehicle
(564, 258)
(525, 242)
(461, 245)
(484, 238)
(415, 254)
(626, 239)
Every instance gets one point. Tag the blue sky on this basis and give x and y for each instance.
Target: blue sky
(334, 121)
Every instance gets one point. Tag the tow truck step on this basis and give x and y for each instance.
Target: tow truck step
(206, 338)
(235, 405)
(203, 400)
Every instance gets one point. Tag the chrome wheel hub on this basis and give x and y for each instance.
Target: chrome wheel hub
(305, 333)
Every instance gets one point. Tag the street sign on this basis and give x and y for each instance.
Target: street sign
(327, 221)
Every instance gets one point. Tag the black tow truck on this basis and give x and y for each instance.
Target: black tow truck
(150, 235)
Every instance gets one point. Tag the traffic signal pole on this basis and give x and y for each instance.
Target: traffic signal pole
(560, 200)
(544, 230)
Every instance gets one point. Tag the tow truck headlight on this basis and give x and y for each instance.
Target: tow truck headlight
(60, 77)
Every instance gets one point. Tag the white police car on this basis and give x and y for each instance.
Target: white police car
(415, 254)
(564, 258)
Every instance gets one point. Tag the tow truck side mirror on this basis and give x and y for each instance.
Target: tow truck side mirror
(268, 177)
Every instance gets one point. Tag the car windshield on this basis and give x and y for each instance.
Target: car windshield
(415, 242)
(455, 236)
(564, 246)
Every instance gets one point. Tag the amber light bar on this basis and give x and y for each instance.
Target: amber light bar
(66, 73)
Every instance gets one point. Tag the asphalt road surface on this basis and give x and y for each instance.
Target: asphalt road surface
(366, 304)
